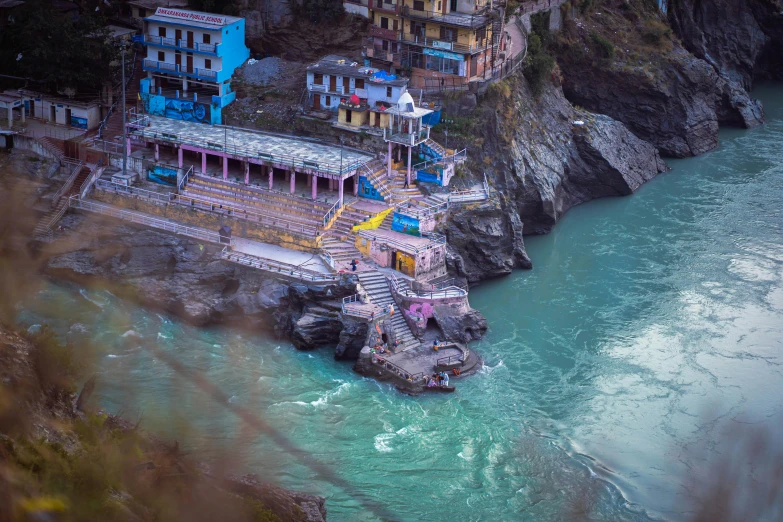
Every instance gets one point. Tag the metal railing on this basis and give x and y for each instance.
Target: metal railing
(328, 258)
(419, 211)
(332, 212)
(108, 146)
(457, 157)
(353, 306)
(277, 267)
(185, 200)
(439, 293)
(143, 219)
(405, 247)
(402, 372)
(470, 21)
(235, 150)
(406, 138)
(95, 173)
(68, 184)
(444, 44)
(184, 181)
(181, 44)
(464, 196)
(165, 67)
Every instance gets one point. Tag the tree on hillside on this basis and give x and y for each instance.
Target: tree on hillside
(64, 55)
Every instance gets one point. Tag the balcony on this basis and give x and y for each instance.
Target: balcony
(466, 21)
(444, 45)
(338, 90)
(171, 68)
(379, 32)
(151, 39)
(384, 5)
(377, 53)
(405, 138)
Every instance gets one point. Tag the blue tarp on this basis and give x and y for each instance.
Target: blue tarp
(383, 76)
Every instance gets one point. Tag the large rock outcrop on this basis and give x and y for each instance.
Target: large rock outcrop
(621, 60)
(542, 156)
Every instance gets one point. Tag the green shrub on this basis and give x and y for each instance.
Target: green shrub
(605, 47)
(655, 32)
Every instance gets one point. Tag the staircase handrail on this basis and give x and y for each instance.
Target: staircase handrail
(68, 184)
(423, 210)
(331, 213)
(184, 180)
(377, 359)
(95, 173)
(202, 204)
(53, 221)
(439, 293)
(459, 155)
(360, 312)
(328, 258)
(270, 265)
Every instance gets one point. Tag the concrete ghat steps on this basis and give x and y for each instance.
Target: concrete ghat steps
(374, 283)
(254, 192)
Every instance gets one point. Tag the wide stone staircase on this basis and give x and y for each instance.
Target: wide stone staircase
(374, 283)
(278, 205)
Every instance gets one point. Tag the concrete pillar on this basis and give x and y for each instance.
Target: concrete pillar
(410, 158)
(399, 153)
(314, 183)
(340, 193)
(10, 115)
(22, 107)
(128, 147)
(356, 184)
(388, 161)
(247, 173)
(225, 167)
(157, 152)
(293, 181)
(180, 159)
(184, 85)
(203, 162)
(271, 175)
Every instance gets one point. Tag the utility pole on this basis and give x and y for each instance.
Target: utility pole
(124, 128)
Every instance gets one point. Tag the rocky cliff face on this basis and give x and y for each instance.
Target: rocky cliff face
(542, 156)
(180, 276)
(621, 59)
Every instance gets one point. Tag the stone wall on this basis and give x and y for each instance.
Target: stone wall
(210, 221)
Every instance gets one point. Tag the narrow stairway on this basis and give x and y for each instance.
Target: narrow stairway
(374, 283)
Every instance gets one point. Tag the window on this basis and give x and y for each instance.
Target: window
(161, 56)
(385, 45)
(162, 32)
(348, 116)
(388, 92)
(328, 101)
(396, 27)
(384, 22)
(419, 29)
(207, 38)
(359, 83)
(142, 12)
(447, 34)
(207, 63)
(318, 79)
(418, 5)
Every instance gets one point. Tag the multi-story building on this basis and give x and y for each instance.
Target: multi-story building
(190, 59)
(359, 94)
(436, 41)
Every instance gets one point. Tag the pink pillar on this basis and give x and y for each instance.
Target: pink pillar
(203, 162)
(271, 174)
(388, 162)
(356, 184)
(180, 161)
(340, 193)
(247, 173)
(314, 183)
(410, 157)
(157, 152)
(293, 181)
(225, 167)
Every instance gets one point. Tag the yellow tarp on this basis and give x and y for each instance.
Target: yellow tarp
(374, 222)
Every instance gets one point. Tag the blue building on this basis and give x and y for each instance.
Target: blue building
(190, 59)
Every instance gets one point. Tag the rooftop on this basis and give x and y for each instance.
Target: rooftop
(343, 66)
(5, 4)
(191, 18)
(254, 143)
(117, 32)
(468, 21)
(154, 4)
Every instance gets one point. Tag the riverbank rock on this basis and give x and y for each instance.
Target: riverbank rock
(352, 338)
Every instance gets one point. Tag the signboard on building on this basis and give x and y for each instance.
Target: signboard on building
(207, 18)
(442, 45)
(444, 54)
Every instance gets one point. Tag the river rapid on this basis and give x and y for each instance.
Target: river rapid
(647, 338)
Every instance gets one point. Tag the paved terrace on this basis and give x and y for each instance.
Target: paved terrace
(296, 154)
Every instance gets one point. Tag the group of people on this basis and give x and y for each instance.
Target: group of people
(438, 379)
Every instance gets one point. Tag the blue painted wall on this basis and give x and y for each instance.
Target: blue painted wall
(367, 190)
(405, 224)
(232, 50)
(162, 175)
(431, 175)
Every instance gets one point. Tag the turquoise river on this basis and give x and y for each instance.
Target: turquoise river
(647, 336)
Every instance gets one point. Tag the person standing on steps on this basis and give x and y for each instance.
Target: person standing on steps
(354, 264)
(405, 185)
